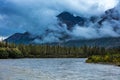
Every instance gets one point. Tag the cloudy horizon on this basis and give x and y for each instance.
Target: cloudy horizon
(36, 16)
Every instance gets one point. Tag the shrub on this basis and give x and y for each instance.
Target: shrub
(3, 53)
(15, 53)
(106, 58)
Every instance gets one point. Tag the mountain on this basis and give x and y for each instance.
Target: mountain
(27, 38)
(111, 17)
(101, 42)
(22, 38)
(70, 20)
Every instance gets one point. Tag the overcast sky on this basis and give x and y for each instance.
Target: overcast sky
(36, 15)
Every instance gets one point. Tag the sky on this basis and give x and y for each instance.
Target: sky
(37, 15)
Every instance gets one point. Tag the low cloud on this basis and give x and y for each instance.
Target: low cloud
(36, 16)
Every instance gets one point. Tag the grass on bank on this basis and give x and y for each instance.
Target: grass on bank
(105, 59)
(94, 54)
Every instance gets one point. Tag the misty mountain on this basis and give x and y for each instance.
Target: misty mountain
(110, 18)
(22, 38)
(110, 15)
(27, 38)
(100, 26)
(70, 20)
(101, 42)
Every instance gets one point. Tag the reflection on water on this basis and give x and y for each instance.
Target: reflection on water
(56, 69)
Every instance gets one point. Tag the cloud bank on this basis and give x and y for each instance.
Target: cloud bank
(36, 16)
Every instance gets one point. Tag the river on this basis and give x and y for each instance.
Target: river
(56, 69)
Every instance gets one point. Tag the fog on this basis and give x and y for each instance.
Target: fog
(36, 16)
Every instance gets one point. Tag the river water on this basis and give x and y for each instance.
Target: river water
(56, 69)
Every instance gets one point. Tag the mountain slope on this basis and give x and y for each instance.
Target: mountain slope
(110, 19)
(25, 38)
(70, 20)
(21, 38)
(101, 42)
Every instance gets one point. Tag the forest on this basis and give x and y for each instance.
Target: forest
(93, 53)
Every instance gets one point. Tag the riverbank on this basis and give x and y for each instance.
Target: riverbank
(112, 59)
(93, 53)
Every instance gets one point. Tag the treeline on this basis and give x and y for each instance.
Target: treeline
(8, 50)
(111, 56)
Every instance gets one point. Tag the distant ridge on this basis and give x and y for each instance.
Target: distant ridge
(110, 16)
(27, 38)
